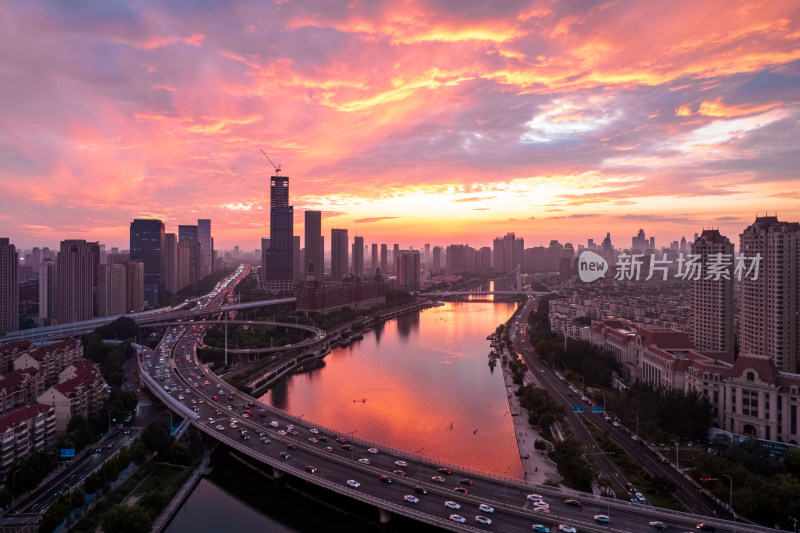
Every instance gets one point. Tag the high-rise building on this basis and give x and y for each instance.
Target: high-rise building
(508, 252)
(183, 264)
(76, 280)
(427, 258)
(339, 244)
(607, 250)
(384, 259)
(358, 256)
(408, 270)
(147, 241)
(315, 251)
(169, 258)
(497, 254)
(111, 285)
(47, 291)
(134, 287)
(396, 250)
(436, 264)
(712, 299)
(278, 268)
(187, 235)
(375, 264)
(483, 260)
(206, 246)
(770, 304)
(297, 260)
(9, 287)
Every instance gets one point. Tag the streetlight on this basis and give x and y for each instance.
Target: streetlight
(419, 459)
(351, 433)
(730, 500)
(109, 418)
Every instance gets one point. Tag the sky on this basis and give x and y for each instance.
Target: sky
(407, 122)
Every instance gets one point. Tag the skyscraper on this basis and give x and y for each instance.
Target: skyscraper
(76, 280)
(187, 235)
(770, 304)
(298, 260)
(9, 288)
(339, 242)
(436, 265)
(147, 241)
(712, 299)
(47, 291)
(278, 268)
(315, 252)
(497, 254)
(358, 256)
(374, 259)
(396, 250)
(384, 259)
(408, 270)
(204, 238)
(111, 294)
(169, 261)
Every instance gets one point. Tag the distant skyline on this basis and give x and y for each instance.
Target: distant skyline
(407, 122)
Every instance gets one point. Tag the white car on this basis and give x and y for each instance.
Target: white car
(274, 424)
(485, 520)
(541, 510)
(566, 529)
(452, 505)
(534, 497)
(353, 483)
(541, 505)
(221, 427)
(486, 508)
(373, 450)
(314, 431)
(364, 460)
(457, 518)
(410, 498)
(401, 463)
(437, 479)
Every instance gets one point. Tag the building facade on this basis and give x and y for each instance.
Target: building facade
(9, 288)
(146, 243)
(339, 262)
(278, 268)
(712, 296)
(76, 280)
(315, 251)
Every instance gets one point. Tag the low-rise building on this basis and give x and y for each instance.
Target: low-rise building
(82, 392)
(24, 431)
(19, 388)
(50, 359)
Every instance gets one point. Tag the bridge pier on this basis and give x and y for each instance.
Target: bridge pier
(385, 516)
(277, 474)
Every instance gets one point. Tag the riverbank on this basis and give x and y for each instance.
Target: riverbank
(172, 507)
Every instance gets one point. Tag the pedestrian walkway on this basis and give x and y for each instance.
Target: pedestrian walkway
(538, 468)
(202, 469)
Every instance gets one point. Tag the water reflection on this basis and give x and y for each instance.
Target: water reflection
(427, 383)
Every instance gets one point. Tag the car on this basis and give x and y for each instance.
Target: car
(657, 524)
(420, 489)
(347, 447)
(462, 490)
(386, 479)
(285, 455)
(401, 463)
(312, 440)
(261, 434)
(341, 440)
(540, 528)
(466, 482)
(452, 505)
(574, 503)
(353, 483)
(311, 469)
(602, 518)
(180, 396)
(704, 527)
(328, 449)
(534, 497)
(291, 446)
(266, 441)
(485, 520)
(410, 498)
(274, 424)
(314, 431)
(541, 510)
(567, 529)
(486, 508)
(98, 450)
(323, 438)
(373, 450)
(457, 518)
(398, 472)
(215, 397)
(364, 460)
(437, 479)
(541, 505)
(282, 432)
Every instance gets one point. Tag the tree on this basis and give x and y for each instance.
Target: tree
(157, 437)
(122, 519)
(540, 444)
(792, 461)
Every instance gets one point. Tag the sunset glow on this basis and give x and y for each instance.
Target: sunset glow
(409, 122)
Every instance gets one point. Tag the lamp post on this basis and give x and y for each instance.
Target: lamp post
(351, 433)
(730, 500)
(419, 459)
(109, 418)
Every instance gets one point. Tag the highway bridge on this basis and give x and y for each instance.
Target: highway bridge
(329, 458)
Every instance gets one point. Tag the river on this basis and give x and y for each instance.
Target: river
(421, 383)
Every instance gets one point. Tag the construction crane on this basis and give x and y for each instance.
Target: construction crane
(276, 167)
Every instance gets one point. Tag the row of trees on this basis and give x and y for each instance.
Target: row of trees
(543, 410)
